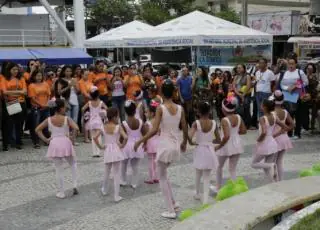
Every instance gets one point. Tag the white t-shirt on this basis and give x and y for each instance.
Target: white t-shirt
(118, 89)
(290, 78)
(264, 80)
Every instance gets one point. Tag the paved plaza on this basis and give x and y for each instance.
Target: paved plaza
(28, 202)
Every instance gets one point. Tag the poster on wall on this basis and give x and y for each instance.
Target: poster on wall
(277, 23)
(208, 56)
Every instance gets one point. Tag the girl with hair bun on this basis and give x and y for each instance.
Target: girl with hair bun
(204, 157)
(97, 111)
(267, 147)
(60, 145)
(281, 136)
(231, 146)
(133, 127)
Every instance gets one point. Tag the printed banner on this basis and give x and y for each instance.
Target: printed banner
(207, 56)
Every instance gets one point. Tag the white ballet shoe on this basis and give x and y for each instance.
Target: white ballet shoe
(134, 186)
(213, 189)
(197, 197)
(123, 183)
(104, 192)
(60, 195)
(169, 215)
(118, 199)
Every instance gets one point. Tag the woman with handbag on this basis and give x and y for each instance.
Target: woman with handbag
(14, 90)
(293, 83)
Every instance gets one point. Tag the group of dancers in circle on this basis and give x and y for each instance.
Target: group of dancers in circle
(127, 142)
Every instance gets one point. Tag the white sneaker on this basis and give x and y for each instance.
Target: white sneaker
(60, 195)
(134, 186)
(169, 215)
(213, 189)
(118, 199)
(197, 197)
(104, 192)
(123, 183)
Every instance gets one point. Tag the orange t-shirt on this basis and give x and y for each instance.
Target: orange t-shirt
(85, 87)
(40, 92)
(134, 84)
(90, 76)
(101, 84)
(26, 76)
(14, 84)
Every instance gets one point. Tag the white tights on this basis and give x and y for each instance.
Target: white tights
(266, 165)
(58, 164)
(134, 162)
(233, 162)
(279, 162)
(206, 179)
(95, 150)
(165, 185)
(115, 166)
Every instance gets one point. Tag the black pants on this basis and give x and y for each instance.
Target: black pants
(12, 124)
(244, 111)
(106, 99)
(254, 119)
(302, 117)
(38, 116)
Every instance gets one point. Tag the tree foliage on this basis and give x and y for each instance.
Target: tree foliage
(229, 15)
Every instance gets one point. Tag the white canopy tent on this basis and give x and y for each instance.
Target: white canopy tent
(114, 37)
(198, 29)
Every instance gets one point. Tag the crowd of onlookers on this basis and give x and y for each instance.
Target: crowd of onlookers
(25, 93)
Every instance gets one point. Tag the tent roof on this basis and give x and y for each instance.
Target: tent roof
(199, 29)
(59, 56)
(20, 56)
(114, 37)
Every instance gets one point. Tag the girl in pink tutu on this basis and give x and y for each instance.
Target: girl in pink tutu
(267, 147)
(97, 111)
(204, 156)
(281, 136)
(151, 146)
(168, 116)
(60, 145)
(113, 154)
(133, 128)
(231, 146)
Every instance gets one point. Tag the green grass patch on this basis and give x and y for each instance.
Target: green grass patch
(310, 222)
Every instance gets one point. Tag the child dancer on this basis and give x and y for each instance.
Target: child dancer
(282, 138)
(139, 114)
(151, 146)
(266, 147)
(169, 116)
(230, 148)
(204, 157)
(113, 154)
(60, 145)
(133, 128)
(95, 123)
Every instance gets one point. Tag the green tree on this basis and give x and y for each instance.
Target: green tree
(229, 15)
(111, 13)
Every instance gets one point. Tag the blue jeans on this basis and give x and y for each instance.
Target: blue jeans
(73, 112)
(260, 96)
(118, 103)
(38, 116)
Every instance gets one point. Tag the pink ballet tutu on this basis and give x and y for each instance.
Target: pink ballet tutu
(113, 153)
(168, 150)
(95, 124)
(266, 147)
(152, 144)
(204, 157)
(129, 152)
(232, 147)
(60, 146)
(284, 142)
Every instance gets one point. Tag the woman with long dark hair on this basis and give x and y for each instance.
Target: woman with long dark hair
(14, 91)
(118, 93)
(39, 93)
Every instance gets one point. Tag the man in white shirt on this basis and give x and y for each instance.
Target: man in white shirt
(265, 80)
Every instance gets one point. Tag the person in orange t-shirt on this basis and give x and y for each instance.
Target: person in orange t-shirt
(133, 82)
(33, 65)
(85, 85)
(14, 89)
(39, 93)
(101, 79)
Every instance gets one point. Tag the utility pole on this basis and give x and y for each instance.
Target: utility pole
(244, 12)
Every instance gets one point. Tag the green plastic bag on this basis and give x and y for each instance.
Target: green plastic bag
(306, 172)
(185, 214)
(232, 188)
(316, 168)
